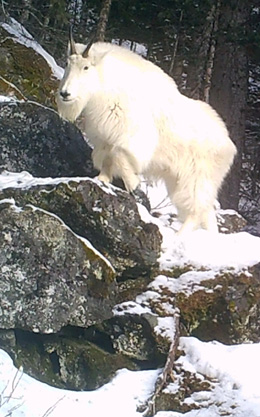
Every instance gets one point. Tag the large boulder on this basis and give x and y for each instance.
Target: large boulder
(50, 278)
(107, 216)
(34, 138)
(66, 359)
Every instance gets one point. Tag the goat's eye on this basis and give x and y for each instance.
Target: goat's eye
(86, 68)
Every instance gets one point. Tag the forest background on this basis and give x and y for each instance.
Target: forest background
(210, 47)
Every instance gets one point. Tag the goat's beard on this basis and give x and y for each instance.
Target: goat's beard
(69, 110)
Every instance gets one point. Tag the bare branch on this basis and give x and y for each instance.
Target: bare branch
(167, 370)
(14, 87)
(50, 409)
(175, 46)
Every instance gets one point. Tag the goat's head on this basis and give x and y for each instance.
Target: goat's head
(79, 81)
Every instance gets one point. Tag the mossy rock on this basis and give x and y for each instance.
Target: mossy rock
(24, 72)
(67, 362)
(223, 305)
(227, 309)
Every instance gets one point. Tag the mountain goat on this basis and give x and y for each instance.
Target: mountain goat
(140, 124)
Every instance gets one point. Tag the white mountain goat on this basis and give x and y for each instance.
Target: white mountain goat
(140, 124)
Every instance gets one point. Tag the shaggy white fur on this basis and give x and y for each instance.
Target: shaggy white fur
(140, 124)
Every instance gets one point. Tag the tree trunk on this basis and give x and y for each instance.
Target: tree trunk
(211, 52)
(103, 19)
(199, 69)
(228, 94)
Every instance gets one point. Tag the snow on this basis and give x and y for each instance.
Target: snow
(24, 180)
(131, 307)
(236, 370)
(4, 99)
(188, 283)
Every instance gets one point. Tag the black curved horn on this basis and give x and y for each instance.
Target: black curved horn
(72, 46)
(86, 50)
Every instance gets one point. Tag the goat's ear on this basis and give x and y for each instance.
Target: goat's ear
(72, 46)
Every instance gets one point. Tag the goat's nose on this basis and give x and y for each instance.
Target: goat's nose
(64, 94)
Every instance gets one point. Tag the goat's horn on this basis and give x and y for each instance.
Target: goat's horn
(86, 50)
(72, 43)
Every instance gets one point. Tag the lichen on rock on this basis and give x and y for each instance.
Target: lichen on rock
(107, 216)
(49, 277)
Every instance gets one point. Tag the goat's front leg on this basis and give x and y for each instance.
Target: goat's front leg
(106, 172)
(125, 167)
(116, 163)
(102, 161)
(119, 166)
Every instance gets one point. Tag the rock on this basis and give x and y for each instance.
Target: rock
(107, 216)
(25, 73)
(253, 229)
(65, 361)
(52, 287)
(35, 139)
(49, 277)
(133, 336)
(182, 395)
(230, 221)
(7, 339)
(140, 333)
(223, 306)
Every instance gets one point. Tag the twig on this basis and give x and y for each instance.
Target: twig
(11, 410)
(3, 8)
(15, 382)
(167, 370)
(14, 87)
(5, 39)
(5, 399)
(51, 408)
(175, 46)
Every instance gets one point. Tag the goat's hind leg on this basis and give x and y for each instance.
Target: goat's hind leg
(204, 219)
(194, 199)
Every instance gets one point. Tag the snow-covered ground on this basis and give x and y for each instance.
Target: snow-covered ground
(235, 371)
(200, 248)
